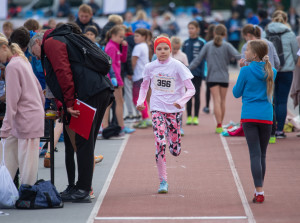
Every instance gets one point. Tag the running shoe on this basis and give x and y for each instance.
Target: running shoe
(258, 198)
(272, 140)
(280, 135)
(189, 120)
(141, 125)
(219, 130)
(149, 122)
(195, 121)
(47, 163)
(181, 132)
(70, 189)
(127, 130)
(206, 110)
(98, 159)
(163, 187)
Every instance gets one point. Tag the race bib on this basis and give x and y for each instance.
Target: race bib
(164, 83)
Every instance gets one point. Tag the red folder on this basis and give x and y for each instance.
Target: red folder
(83, 124)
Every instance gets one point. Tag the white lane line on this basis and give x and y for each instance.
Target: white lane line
(107, 182)
(174, 218)
(237, 181)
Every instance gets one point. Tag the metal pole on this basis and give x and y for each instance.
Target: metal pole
(52, 149)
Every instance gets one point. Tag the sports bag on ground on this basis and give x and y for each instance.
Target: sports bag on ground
(110, 131)
(42, 194)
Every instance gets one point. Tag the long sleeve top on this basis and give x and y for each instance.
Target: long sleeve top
(218, 59)
(252, 87)
(168, 82)
(24, 117)
(113, 50)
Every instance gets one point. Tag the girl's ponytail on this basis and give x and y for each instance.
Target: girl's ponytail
(16, 50)
(219, 33)
(260, 48)
(218, 40)
(107, 36)
(270, 77)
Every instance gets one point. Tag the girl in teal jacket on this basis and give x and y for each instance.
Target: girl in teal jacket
(255, 85)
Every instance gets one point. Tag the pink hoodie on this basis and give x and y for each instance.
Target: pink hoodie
(24, 117)
(113, 50)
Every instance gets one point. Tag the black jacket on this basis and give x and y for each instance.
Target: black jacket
(90, 23)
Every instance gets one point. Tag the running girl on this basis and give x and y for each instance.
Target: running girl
(217, 53)
(168, 78)
(114, 38)
(255, 85)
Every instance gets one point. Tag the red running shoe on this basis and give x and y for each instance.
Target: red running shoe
(258, 198)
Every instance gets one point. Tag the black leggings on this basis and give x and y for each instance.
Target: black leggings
(207, 95)
(257, 136)
(197, 84)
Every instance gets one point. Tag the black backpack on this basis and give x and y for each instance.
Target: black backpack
(275, 38)
(93, 57)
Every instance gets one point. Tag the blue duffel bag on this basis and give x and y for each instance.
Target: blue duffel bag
(42, 194)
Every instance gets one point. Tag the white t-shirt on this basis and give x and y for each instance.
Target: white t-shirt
(298, 53)
(166, 84)
(141, 51)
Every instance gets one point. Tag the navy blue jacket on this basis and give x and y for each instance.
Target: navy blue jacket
(192, 47)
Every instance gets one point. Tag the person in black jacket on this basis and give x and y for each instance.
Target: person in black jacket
(85, 14)
(92, 88)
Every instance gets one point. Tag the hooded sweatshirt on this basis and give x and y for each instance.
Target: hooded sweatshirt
(252, 87)
(289, 44)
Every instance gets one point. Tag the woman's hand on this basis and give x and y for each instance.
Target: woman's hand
(140, 107)
(74, 113)
(177, 105)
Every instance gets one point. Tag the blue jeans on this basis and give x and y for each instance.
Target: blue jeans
(283, 84)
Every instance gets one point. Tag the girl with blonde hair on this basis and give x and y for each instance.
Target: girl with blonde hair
(23, 124)
(255, 85)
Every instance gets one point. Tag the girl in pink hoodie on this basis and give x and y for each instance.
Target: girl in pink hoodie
(114, 38)
(23, 124)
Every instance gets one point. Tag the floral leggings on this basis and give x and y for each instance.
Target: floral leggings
(166, 124)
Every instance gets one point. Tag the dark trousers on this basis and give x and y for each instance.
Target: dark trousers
(207, 95)
(257, 136)
(197, 84)
(85, 148)
(283, 84)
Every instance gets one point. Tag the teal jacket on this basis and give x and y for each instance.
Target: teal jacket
(252, 87)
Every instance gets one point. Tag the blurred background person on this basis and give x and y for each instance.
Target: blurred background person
(63, 9)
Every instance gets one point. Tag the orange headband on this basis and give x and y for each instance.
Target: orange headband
(162, 40)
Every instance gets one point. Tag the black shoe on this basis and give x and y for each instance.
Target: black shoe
(79, 196)
(280, 135)
(68, 190)
(206, 110)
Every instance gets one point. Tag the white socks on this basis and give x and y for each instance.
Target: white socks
(258, 193)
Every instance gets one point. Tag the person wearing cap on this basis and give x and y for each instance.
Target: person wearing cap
(169, 78)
